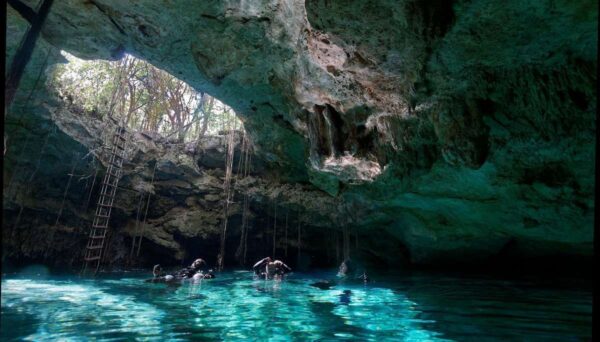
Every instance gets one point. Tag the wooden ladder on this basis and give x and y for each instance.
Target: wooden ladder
(98, 233)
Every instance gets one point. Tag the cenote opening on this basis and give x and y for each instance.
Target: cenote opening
(310, 170)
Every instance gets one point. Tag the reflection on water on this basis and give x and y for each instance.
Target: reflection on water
(236, 307)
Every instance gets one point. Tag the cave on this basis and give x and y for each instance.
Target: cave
(403, 164)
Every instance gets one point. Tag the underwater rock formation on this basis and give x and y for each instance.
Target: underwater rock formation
(440, 131)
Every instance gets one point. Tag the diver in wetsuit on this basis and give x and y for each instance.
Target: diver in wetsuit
(270, 269)
(157, 271)
(260, 267)
(157, 275)
(183, 274)
(347, 268)
(346, 273)
(277, 269)
(188, 272)
(195, 272)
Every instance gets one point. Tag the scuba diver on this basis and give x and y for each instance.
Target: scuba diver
(345, 297)
(346, 272)
(277, 269)
(189, 272)
(347, 268)
(364, 277)
(260, 267)
(157, 271)
(270, 269)
(183, 274)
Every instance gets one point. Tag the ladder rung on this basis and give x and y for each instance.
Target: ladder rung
(99, 227)
(100, 215)
(97, 236)
(92, 258)
(108, 180)
(107, 198)
(95, 247)
(97, 224)
(104, 207)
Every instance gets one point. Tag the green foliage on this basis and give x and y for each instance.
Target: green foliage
(143, 97)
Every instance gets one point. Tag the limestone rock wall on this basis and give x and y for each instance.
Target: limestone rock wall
(455, 130)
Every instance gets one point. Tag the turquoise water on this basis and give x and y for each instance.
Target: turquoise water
(424, 307)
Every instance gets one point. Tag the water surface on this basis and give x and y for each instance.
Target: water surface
(423, 307)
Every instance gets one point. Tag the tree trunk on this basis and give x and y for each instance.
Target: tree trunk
(207, 114)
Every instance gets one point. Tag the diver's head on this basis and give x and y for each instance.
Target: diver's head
(197, 263)
(156, 270)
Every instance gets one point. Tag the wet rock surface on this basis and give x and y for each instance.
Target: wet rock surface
(437, 131)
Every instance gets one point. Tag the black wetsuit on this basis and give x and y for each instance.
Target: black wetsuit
(184, 273)
(260, 267)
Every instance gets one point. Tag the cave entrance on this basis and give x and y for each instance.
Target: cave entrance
(154, 106)
(142, 98)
